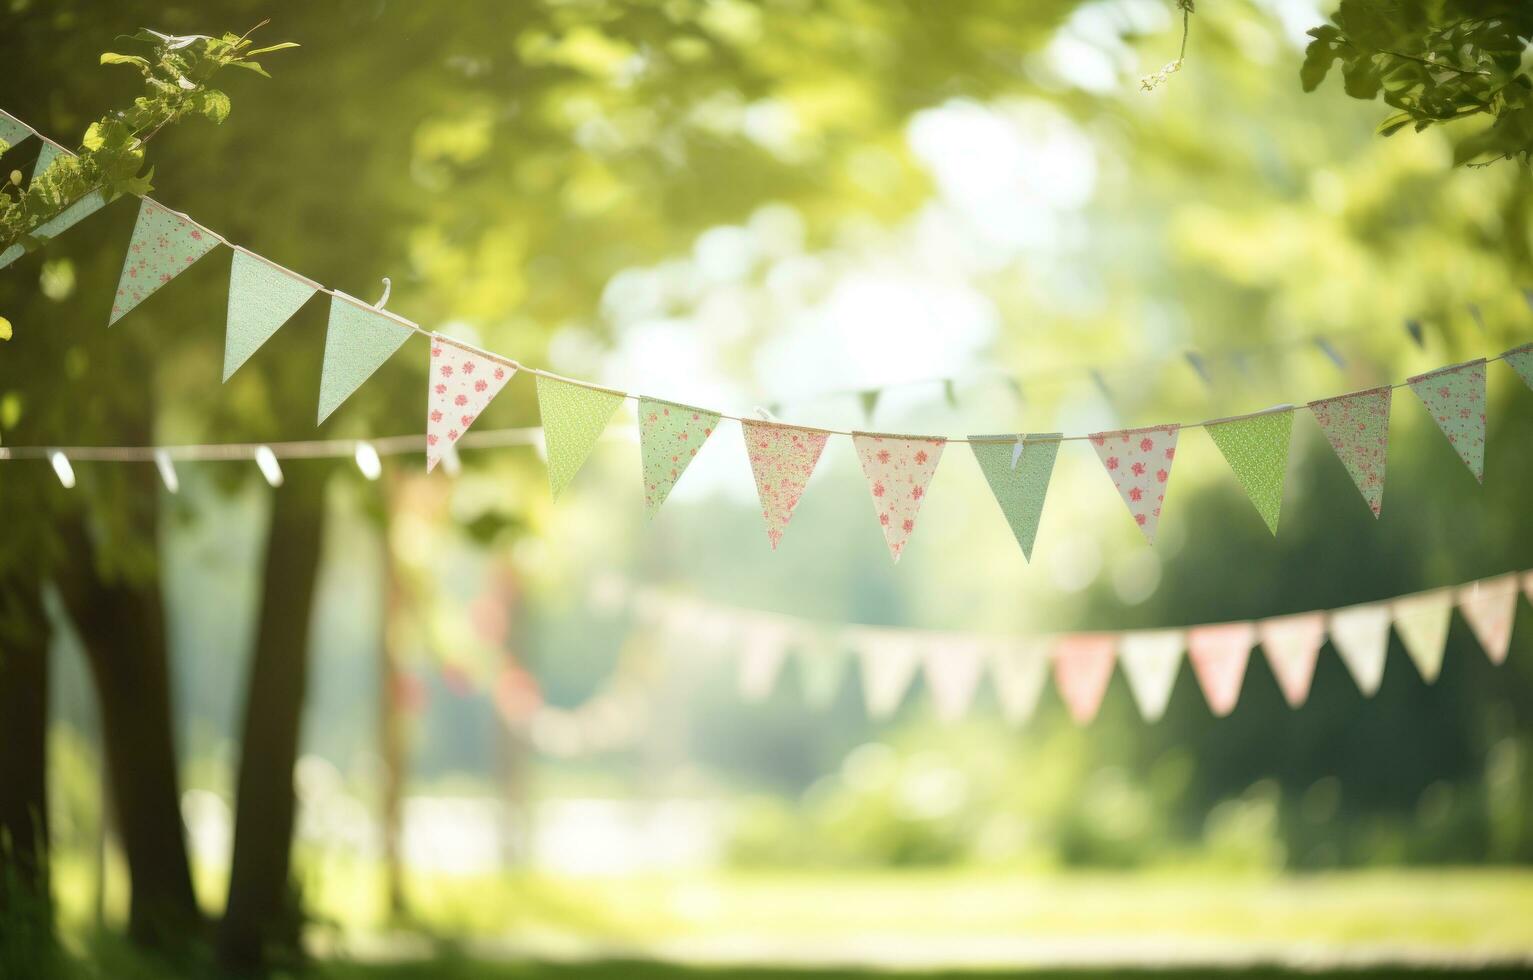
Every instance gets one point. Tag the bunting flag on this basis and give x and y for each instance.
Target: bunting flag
(1256, 448)
(1527, 585)
(1219, 654)
(1018, 671)
(1360, 635)
(822, 664)
(1489, 607)
(1521, 360)
(1422, 622)
(1292, 645)
(782, 458)
(1139, 462)
(763, 649)
(1357, 426)
(1082, 668)
(574, 417)
(164, 244)
(669, 436)
(898, 469)
(952, 667)
(1150, 659)
(1456, 398)
(889, 662)
(462, 384)
(64, 220)
(358, 339)
(1018, 469)
(262, 298)
(12, 130)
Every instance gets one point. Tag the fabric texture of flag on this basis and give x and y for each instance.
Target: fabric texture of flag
(164, 244)
(358, 339)
(1357, 427)
(1256, 448)
(262, 298)
(1018, 468)
(460, 386)
(1456, 398)
(574, 417)
(1139, 462)
(669, 437)
(898, 469)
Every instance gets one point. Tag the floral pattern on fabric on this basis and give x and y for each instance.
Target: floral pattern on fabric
(1292, 645)
(1456, 398)
(163, 245)
(1257, 450)
(1082, 667)
(574, 417)
(1489, 608)
(1139, 462)
(898, 469)
(669, 437)
(1219, 654)
(1357, 426)
(460, 386)
(782, 458)
(1521, 360)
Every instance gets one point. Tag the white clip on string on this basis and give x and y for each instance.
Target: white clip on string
(167, 470)
(66, 473)
(267, 461)
(368, 461)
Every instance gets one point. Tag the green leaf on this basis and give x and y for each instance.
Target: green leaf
(1394, 123)
(272, 47)
(1322, 51)
(112, 58)
(1361, 78)
(254, 66)
(5, 329)
(212, 103)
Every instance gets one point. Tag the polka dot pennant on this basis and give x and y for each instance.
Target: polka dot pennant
(574, 417)
(1456, 398)
(358, 340)
(669, 437)
(163, 245)
(461, 385)
(262, 298)
(1256, 447)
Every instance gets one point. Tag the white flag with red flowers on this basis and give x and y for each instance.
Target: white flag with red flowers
(898, 469)
(1139, 462)
(462, 384)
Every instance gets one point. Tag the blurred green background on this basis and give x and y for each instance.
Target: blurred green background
(969, 205)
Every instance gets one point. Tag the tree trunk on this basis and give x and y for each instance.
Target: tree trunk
(391, 735)
(25, 898)
(122, 628)
(262, 914)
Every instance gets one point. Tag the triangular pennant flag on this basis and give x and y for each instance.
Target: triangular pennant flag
(574, 417)
(12, 130)
(763, 649)
(1150, 660)
(1357, 426)
(782, 460)
(1521, 360)
(1082, 668)
(1527, 585)
(889, 662)
(1256, 448)
(822, 664)
(669, 436)
(462, 383)
(64, 220)
(358, 340)
(1139, 462)
(1219, 654)
(1490, 608)
(1292, 644)
(164, 244)
(1456, 398)
(1018, 671)
(1422, 622)
(952, 669)
(1360, 635)
(1018, 471)
(262, 298)
(898, 469)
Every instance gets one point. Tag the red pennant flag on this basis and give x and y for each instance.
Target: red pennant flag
(1292, 644)
(1219, 654)
(1082, 667)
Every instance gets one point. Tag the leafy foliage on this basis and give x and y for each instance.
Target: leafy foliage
(111, 159)
(1436, 61)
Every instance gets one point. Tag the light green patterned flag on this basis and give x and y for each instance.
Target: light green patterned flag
(1256, 447)
(1521, 360)
(262, 298)
(1018, 469)
(1456, 398)
(358, 340)
(669, 437)
(12, 130)
(64, 220)
(573, 419)
(163, 245)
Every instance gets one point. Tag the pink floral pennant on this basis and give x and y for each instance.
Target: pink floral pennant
(1456, 398)
(898, 469)
(164, 244)
(1082, 667)
(782, 458)
(1357, 426)
(462, 383)
(1139, 462)
(1219, 654)
(1292, 645)
(1490, 607)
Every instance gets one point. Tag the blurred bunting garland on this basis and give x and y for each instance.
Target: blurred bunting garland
(1082, 667)
(1292, 645)
(1361, 636)
(1150, 660)
(1422, 624)
(1219, 654)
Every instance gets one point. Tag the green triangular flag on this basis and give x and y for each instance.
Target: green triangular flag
(1521, 360)
(12, 130)
(573, 419)
(64, 220)
(1257, 450)
(358, 340)
(163, 245)
(1018, 469)
(1456, 398)
(669, 437)
(261, 299)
